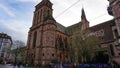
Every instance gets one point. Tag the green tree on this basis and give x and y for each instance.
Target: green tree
(101, 57)
(19, 54)
(18, 49)
(84, 46)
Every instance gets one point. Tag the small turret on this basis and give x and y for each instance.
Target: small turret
(85, 23)
(83, 16)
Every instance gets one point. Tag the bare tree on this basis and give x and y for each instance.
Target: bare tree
(18, 44)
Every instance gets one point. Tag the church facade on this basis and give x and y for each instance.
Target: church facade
(49, 40)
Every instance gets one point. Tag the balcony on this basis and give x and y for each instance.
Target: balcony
(109, 9)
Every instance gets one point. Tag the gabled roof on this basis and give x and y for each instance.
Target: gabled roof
(50, 17)
(60, 27)
(70, 29)
(73, 28)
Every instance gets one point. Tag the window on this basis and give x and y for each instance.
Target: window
(116, 33)
(40, 15)
(60, 55)
(34, 39)
(66, 43)
(119, 54)
(112, 50)
(2, 54)
(48, 12)
(43, 54)
(53, 55)
(66, 56)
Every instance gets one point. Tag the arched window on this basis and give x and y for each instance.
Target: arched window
(60, 42)
(112, 50)
(116, 33)
(34, 39)
(40, 15)
(66, 43)
(48, 12)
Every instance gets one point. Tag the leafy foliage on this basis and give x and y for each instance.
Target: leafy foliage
(84, 46)
(19, 52)
(19, 49)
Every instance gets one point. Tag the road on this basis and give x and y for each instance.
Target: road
(10, 66)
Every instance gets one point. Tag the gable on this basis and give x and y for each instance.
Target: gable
(71, 29)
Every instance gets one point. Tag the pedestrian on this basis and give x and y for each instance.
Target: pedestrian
(26, 65)
(74, 65)
(50, 65)
(61, 66)
(18, 65)
(14, 64)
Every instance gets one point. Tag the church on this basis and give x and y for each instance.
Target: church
(48, 39)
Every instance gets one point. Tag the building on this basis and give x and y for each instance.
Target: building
(49, 40)
(114, 10)
(5, 47)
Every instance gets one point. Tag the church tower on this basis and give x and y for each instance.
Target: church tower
(41, 37)
(85, 23)
(42, 11)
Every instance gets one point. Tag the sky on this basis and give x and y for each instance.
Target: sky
(16, 15)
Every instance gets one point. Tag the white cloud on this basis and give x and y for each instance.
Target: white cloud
(17, 29)
(7, 10)
(93, 9)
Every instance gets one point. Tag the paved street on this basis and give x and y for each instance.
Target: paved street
(10, 66)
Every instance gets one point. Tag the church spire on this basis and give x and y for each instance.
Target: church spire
(83, 16)
(85, 23)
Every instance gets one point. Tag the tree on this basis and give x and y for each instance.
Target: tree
(19, 54)
(18, 44)
(101, 57)
(18, 49)
(84, 46)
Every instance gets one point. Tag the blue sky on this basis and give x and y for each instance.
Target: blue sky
(16, 15)
(16, 18)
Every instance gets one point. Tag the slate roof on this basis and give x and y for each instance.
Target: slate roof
(73, 28)
(106, 26)
(60, 27)
(70, 29)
